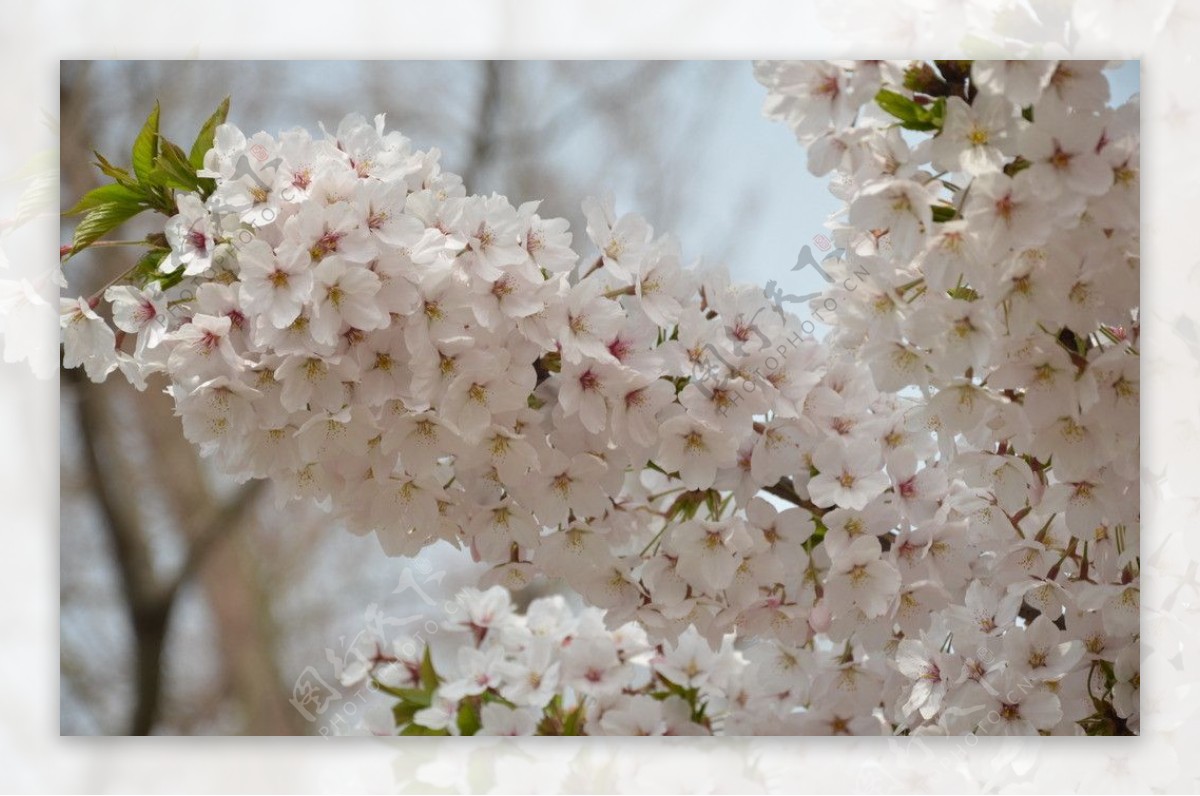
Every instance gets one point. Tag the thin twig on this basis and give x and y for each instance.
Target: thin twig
(786, 490)
(224, 521)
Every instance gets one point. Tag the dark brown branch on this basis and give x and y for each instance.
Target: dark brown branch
(121, 520)
(786, 490)
(148, 602)
(225, 520)
(147, 612)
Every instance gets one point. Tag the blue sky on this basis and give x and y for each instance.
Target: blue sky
(751, 151)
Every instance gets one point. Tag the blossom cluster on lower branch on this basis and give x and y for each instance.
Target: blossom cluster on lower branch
(552, 671)
(555, 671)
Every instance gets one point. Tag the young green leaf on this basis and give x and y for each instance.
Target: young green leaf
(120, 175)
(101, 220)
(912, 115)
(146, 270)
(897, 105)
(468, 718)
(113, 193)
(145, 147)
(208, 134)
(168, 281)
(963, 293)
(573, 725)
(936, 113)
(417, 696)
(417, 729)
(943, 213)
(492, 696)
(429, 676)
(172, 168)
(403, 713)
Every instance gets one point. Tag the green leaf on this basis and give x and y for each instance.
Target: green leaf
(168, 281)
(943, 213)
(911, 114)
(468, 720)
(146, 270)
(403, 713)
(113, 193)
(1110, 676)
(420, 697)
(937, 112)
(172, 168)
(492, 696)
(417, 729)
(145, 147)
(429, 676)
(930, 117)
(712, 500)
(550, 723)
(574, 721)
(101, 220)
(897, 105)
(674, 688)
(120, 175)
(685, 504)
(208, 134)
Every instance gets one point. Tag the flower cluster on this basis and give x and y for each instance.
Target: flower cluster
(555, 671)
(925, 522)
(550, 671)
(441, 366)
(1000, 262)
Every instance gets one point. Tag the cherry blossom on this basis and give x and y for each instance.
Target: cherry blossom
(87, 339)
(923, 520)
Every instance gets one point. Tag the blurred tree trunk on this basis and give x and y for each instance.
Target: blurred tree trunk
(118, 423)
(230, 578)
(111, 478)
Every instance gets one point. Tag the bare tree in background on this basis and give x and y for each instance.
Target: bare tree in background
(187, 605)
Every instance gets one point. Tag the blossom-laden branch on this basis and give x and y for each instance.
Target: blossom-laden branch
(960, 452)
(552, 671)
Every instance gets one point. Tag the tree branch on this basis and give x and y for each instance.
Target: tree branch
(147, 612)
(225, 520)
(148, 601)
(786, 490)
